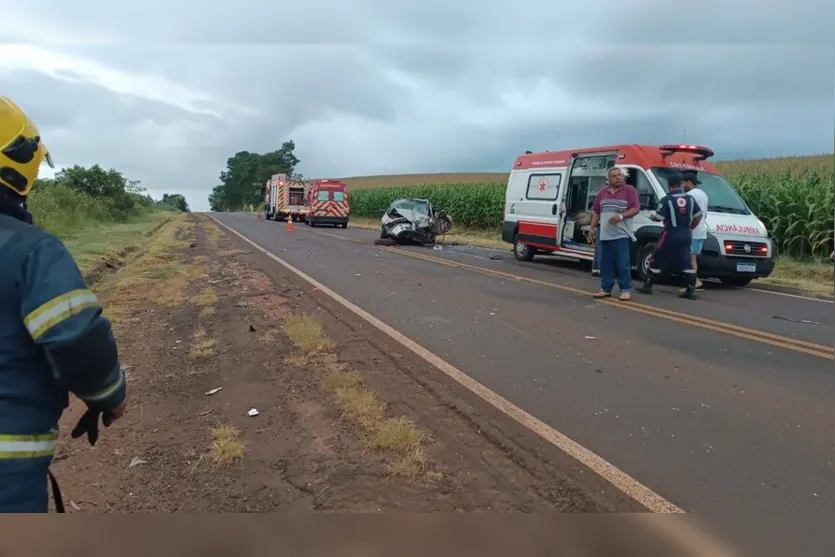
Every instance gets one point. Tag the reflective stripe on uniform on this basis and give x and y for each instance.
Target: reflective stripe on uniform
(106, 392)
(27, 446)
(58, 309)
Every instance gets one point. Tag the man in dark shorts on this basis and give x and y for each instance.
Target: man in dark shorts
(680, 214)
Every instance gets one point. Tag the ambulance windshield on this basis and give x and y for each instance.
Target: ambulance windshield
(721, 196)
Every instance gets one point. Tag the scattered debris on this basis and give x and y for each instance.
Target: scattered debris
(205, 412)
(805, 321)
(252, 412)
(213, 391)
(438, 247)
(590, 338)
(251, 329)
(496, 257)
(136, 462)
(74, 505)
(242, 304)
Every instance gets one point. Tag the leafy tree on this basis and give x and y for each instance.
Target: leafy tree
(177, 201)
(243, 182)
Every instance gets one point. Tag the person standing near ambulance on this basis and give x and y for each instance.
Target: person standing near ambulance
(680, 214)
(690, 182)
(53, 337)
(614, 206)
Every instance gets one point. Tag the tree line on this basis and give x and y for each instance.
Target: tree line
(122, 197)
(243, 182)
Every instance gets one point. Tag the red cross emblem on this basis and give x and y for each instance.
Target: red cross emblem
(543, 185)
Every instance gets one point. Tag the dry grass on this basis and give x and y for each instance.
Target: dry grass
(211, 229)
(202, 346)
(158, 276)
(814, 278)
(400, 437)
(335, 382)
(207, 297)
(227, 446)
(306, 333)
(362, 405)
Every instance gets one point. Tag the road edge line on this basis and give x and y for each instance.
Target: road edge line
(622, 481)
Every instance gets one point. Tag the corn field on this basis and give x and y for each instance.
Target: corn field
(794, 197)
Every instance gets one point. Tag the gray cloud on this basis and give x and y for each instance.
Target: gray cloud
(430, 86)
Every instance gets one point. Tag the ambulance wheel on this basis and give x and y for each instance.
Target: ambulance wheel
(644, 255)
(344, 225)
(521, 251)
(740, 282)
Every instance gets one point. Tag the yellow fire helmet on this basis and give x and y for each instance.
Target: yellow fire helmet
(21, 150)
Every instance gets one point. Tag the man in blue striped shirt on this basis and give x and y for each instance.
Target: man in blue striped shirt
(680, 214)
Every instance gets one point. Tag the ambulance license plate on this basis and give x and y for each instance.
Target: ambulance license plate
(746, 267)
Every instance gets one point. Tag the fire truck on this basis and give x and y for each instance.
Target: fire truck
(285, 197)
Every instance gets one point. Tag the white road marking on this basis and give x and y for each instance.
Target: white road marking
(788, 295)
(682, 532)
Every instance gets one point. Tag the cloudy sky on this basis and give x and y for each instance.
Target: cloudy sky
(380, 87)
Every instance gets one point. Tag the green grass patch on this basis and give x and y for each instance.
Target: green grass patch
(98, 244)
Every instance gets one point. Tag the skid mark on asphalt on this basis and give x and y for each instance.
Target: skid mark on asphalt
(778, 341)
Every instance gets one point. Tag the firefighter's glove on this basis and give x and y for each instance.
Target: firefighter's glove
(89, 424)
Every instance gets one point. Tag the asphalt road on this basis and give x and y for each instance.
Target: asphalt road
(724, 405)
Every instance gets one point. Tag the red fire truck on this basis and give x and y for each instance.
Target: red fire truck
(284, 198)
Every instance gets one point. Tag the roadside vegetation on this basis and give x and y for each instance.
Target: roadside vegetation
(101, 215)
(398, 438)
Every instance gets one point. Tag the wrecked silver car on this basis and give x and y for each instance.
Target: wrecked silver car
(413, 221)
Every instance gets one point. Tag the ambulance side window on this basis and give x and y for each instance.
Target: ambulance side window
(544, 187)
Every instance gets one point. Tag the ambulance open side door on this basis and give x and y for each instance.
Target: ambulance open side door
(587, 175)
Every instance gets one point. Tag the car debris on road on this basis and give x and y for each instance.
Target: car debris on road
(413, 221)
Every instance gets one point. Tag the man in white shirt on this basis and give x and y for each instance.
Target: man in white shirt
(690, 180)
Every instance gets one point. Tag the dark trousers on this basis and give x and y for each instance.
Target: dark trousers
(672, 255)
(23, 485)
(615, 263)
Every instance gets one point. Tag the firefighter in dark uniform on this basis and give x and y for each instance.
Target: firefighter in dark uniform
(53, 337)
(680, 214)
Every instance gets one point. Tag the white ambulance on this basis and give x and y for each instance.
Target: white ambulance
(549, 200)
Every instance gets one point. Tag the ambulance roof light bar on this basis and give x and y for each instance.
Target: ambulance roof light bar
(700, 152)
